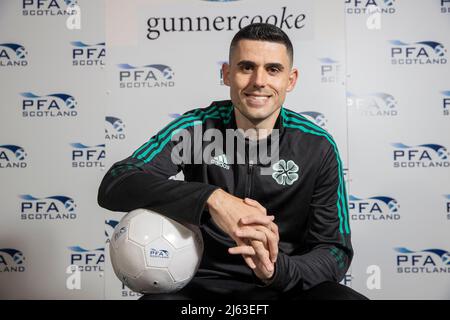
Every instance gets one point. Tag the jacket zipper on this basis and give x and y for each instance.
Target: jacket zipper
(249, 179)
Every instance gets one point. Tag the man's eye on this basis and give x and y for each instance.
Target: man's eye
(247, 68)
(274, 70)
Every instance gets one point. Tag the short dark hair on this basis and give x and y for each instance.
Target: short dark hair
(263, 32)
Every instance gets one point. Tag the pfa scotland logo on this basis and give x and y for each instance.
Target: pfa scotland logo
(56, 207)
(84, 156)
(148, 76)
(159, 253)
(13, 55)
(87, 260)
(422, 261)
(40, 8)
(84, 54)
(11, 260)
(420, 156)
(330, 70)
(56, 105)
(115, 128)
(374, 208)
(12, 156)
(417, 53)
(373, 104)
(359, 7)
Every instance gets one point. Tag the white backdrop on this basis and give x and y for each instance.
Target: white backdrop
(73, 101)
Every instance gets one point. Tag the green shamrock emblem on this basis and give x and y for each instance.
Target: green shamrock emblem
(285, 173)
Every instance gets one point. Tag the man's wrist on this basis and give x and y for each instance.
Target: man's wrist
(215, 199)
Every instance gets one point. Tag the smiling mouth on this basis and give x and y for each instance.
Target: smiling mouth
(257, 95)
(257, 99)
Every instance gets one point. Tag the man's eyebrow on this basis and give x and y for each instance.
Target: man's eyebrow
(249, 63)
(277, 65)
(246, 63)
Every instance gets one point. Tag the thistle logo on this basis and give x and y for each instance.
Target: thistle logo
(48, 208)
(48, 7)
(87, 156)
(374, 208)
(421, 156)
(373, 104)
(330, 70)
(447, 205)
(424, 261)
(13, 55)
(422, 52)
(11, 260)
(446, 102)
(364, 6)
(115, 129)
(109, 228)
(445, 6)
(87, 260)
(316, 117)
(159, 253)
(12, 156)
(56, 105)
(88, 54)
(148, 76)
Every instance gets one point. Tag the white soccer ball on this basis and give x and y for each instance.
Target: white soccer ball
(151, 253)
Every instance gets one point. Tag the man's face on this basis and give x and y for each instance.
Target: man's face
(259, 75)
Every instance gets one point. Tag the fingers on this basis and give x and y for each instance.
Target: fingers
(257, 219)
(272, 242)
(255, 255)
(263, 255)
(255, 204)
(251, 233)
(244, 250)
(248, 260)
(267, 235)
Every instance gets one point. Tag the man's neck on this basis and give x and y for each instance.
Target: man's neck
(259, 130)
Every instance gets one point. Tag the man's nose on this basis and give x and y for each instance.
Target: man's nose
(260, 78)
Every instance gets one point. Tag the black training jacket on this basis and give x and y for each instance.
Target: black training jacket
(305, 192)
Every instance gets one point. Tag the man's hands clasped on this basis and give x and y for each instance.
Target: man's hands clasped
(247, 223)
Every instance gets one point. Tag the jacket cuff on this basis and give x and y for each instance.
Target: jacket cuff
(279, 282)
(202, 207)
(266, 282)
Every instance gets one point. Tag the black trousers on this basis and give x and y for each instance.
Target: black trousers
(226, 289)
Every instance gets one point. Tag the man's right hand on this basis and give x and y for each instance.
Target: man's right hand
(227, 211)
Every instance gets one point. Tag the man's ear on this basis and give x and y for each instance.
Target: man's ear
(226, 73)
(293, 77)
